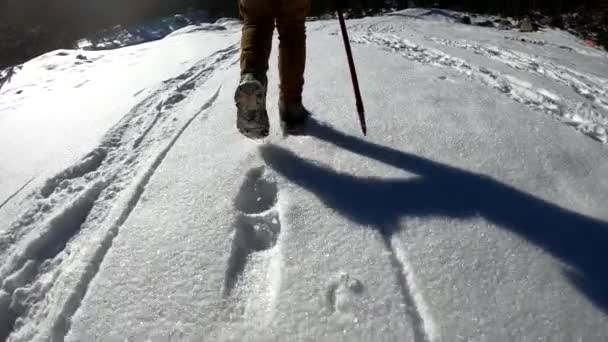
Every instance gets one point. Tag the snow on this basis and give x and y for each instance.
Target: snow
(475, 209)
(56, 108)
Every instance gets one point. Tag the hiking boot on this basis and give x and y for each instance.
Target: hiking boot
(293, 117)
(250, 98)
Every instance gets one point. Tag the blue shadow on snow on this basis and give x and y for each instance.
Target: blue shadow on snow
(579, 241)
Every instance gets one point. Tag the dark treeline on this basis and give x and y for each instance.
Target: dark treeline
(31, 27)
(516, 8)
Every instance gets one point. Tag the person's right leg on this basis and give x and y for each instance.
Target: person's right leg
(256, 44)
(291, 19)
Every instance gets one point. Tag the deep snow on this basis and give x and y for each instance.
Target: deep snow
(475, 209)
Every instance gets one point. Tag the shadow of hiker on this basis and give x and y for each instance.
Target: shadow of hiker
(581, 242)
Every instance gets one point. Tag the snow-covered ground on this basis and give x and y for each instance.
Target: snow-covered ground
(475, 210)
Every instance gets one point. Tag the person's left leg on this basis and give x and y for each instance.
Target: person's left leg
(256, 37)
(256, 44)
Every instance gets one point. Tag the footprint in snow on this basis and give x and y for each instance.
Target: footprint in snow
(342, 294)
(257, 194)
(257, 226)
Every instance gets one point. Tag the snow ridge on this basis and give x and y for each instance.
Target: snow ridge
(24, 265)
(53, 251)
(88, 164)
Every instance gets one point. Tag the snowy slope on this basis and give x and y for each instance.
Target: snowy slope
(475, 210)
(58, 106)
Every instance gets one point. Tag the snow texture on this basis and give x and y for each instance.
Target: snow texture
(476, 209)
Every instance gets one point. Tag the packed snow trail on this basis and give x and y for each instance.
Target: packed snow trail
(470, 213)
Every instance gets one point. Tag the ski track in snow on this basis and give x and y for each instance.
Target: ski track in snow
(9, 198)
(253, 270)
(581, 115)
(580, 50)
(54, 250)
(590, 87)
(421, 324)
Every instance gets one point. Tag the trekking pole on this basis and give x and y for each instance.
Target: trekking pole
(353, 71)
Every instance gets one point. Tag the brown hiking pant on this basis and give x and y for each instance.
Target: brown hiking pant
(260, 18)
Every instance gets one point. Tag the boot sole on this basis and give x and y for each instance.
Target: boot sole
(252, 118)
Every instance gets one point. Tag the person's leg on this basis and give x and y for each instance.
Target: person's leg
(291, 18)
(256, 44)
(256, 38)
